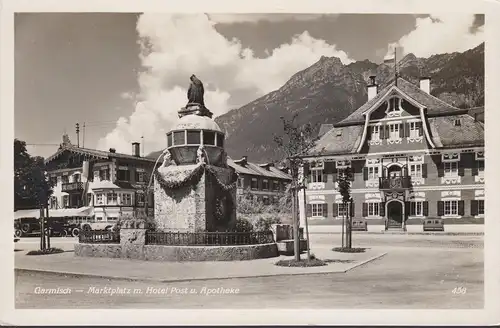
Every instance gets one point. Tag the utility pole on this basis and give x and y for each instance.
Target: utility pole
(78, 135)
(142, 146)
(83, 137)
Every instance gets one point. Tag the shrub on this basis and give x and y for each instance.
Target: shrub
(349, 250)
(243, 225)
(264, 224)
(302, 263)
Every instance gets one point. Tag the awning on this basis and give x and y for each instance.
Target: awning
(60, 213)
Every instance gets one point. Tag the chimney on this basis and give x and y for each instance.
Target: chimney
(112, 150)
(425, 84)
(372, 88)
(244, 160)
(136, 149)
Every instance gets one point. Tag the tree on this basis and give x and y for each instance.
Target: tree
(296, 142)
(344, 179)
(32, 189)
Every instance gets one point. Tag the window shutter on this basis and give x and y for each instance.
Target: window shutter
(309, 210)
(402, 130)
(325, 210)
(352, 174)
(461, 207)
(365, 209)
(420, 129)
(387, 132)
(474, 207)
(352, 209)
(460, 169)
(382, 209)
(407, 210)
(475, 170)
(335, 208)
(325, 177)
(334, 172)
(306, 169)
(440, 211)
(425, 208)
(424, 170)
(365, 173)
(369, 131)
(440, 167)
(407, 129)
(412, 208)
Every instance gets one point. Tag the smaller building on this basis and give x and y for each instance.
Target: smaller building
(265, 182)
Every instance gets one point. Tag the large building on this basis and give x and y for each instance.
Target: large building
(102, 185)
(264, 182)
(412, 155)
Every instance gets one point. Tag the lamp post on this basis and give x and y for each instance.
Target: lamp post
(350, 221)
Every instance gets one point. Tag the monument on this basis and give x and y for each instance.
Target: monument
(195, 189)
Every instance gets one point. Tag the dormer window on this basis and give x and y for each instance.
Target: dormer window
(339, 133)
(458, 122)
(375, 132)
(394, 105)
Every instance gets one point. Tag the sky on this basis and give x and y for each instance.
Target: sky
(126, 75)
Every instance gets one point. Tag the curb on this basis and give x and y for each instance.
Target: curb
(90, 275)
(402, 233)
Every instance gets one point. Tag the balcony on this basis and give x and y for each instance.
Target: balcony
(72, 187)
(395, 183)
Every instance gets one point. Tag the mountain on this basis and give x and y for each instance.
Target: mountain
(328, 91)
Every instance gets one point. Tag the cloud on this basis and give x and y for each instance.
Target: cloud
(175, 46)
(439, 34)
(254, 18)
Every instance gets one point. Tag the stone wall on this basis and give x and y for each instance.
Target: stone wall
(98, 250)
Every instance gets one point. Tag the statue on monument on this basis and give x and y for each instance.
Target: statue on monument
(196, 102)
(196, 92)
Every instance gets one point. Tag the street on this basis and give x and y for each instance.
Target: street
(408, 277)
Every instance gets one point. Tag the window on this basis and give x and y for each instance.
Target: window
(342, 210)
(76, 178)
(99, 199)
(376, 132)
(373, 173)
(240, 182)
(53, 202)
(126, 199)
(53, 181)
(414, 130)
(450, 207)
(65, 201)
(179, 138)
(140, 199)
(99, 218)
(276, 185)
(317, 209)
(373, 209)
(89, 199)
(123, 175)
(64, 179)
(480, 207)
(317, 175)
(393, 105)
(451, 169)
(140, 177)
(169, 139)
(417, 208)
(265, 185)
(193, 137)
(265, 200)
(112, 219)
(104, 174)
(209, 138)
(112, 198)
(416, 170)
(393, 131)
(220, 140)
(254, 184)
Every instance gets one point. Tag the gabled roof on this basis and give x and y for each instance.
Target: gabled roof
(446, 134)
(324, 128)
(434, 105)
(339, 140)
(96, 154)
(256, 169)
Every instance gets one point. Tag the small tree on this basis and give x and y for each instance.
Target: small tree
(344, 179)
(296, 142)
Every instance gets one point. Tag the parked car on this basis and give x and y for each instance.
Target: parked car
(15, 238)
(359, 225)
(433, 224)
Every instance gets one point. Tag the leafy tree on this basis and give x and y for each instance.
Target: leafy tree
(296, 142)
(344, 179)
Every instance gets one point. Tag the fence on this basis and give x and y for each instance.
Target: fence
(208, 238)
(99, 237)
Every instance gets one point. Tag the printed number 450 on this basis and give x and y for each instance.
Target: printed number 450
(459, 290)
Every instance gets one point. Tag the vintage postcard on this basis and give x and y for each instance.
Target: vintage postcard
(320, 162)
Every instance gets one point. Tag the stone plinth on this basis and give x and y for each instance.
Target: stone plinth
(198, 206)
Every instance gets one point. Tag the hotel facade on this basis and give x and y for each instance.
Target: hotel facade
(412, 156)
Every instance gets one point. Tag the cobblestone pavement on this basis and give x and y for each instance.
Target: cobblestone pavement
(406, 278)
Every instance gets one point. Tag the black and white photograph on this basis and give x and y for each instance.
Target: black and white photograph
(273, 160)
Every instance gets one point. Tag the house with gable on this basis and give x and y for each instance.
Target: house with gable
(412, 156)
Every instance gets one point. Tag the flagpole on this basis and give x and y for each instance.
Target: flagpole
(395, 68)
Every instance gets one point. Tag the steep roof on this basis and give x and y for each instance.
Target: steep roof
(95, 153)
(339, 140)
(324, 128)
(255, 169)
(445, 134)
(433, 104)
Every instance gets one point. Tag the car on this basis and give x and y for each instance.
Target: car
(433, 224)
(16, 239)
